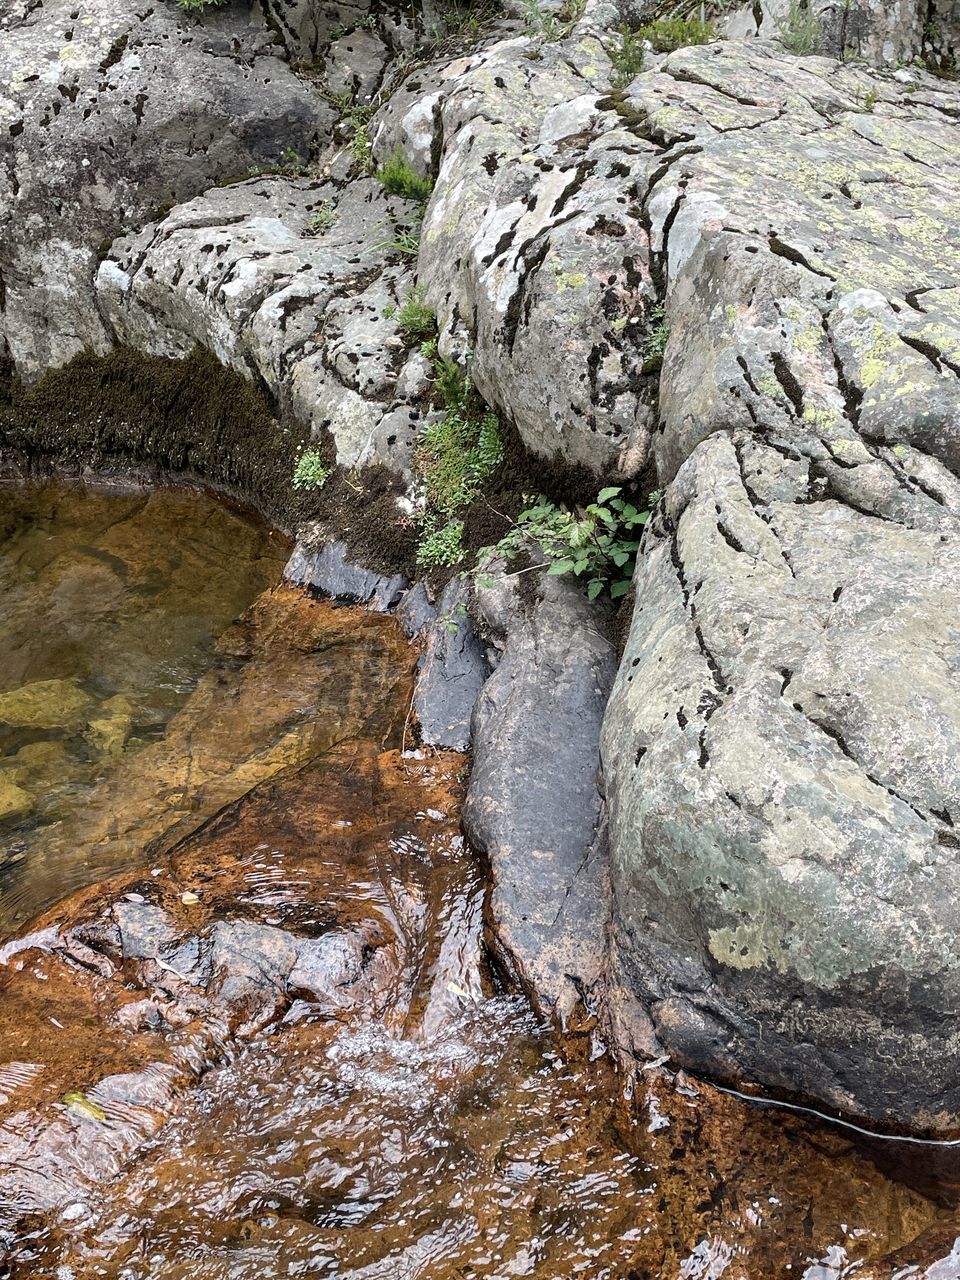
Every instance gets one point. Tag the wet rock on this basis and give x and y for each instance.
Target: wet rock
(416, 610)
(329, 570)
(451, 672)
(45, 704)
(533, 804)
(110, 116)
(145, 929)
(250, 964)
(15, 802)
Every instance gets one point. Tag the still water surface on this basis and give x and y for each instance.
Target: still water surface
(185, 1096)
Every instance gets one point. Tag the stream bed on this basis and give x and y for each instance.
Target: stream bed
(249, 1026)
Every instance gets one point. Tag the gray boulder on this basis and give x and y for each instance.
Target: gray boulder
(533, 804)
(112, 115)
(781, 746)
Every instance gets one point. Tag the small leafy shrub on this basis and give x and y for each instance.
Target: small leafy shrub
(455, 457)
(310, 471)
(415, 320)
(322, 218)
(627, 58)
(548, 25)
(667, 34)
(441, 545)
(599, 545)
(399, 177)
(655, 340)
(799, 30)
(197, 6)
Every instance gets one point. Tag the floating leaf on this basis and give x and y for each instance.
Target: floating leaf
(78, 1102)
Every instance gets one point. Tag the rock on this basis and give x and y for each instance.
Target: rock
(15, 802)
(309, 313)
(780, 749)
(250, 963)
(145, 929)
(45, 704)
(871, 31)
(533, 805)
(450, 674)
(328, 571)
(110, 117)
(532, 200)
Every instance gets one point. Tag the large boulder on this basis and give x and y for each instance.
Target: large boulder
(291, 282)
(113, 115)
(781, 747)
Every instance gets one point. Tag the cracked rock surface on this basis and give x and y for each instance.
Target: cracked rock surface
(781, 747)
(109, 114)
(780, 751)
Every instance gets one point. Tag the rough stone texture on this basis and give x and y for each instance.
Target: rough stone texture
(325, 567)
(110, 113)
(781, 748)
(535, 199)
(450, 674)
(533, 805)
(885, 35)
(243, 271)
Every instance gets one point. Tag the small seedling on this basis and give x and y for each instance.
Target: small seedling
(310, 471)
(398, 176)
(322, 218)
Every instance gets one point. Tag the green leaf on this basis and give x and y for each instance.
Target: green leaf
(594, 589)
(606, 494)
(558, 567)
(580, 564)
(620, 588)
(619, 558)
(78, 1102)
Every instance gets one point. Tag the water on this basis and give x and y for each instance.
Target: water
(295, 1060)
(110, 609)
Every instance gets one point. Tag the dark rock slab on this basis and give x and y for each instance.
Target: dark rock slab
(534, 805)
(328, 570)
(451, 673)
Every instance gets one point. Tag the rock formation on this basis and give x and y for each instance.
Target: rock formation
(780, 749)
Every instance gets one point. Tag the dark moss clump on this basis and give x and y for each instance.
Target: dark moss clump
(189, 416)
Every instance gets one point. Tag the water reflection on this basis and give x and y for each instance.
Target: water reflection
(270, 1044)
(111, 607)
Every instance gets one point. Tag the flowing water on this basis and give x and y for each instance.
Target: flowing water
(268, 1041)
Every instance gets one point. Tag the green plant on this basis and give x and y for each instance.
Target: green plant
(627, 58)
(870, 98)
(441, 545)
(799, 30)
(599, 544)
(322, 218)
(197, 6)
(405, 241)
(398, 176)
(667, 34)
(456, 454)
(415, 319)
(310, 471)
(362, 148)
(655, 340)
(549, 25)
